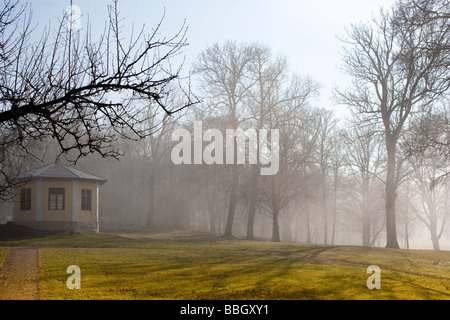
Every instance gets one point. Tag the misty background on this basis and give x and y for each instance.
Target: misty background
(287, 61)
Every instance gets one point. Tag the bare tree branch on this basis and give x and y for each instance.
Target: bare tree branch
(81, 91)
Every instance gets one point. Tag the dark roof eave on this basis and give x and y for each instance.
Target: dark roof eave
(60, 172)
(25, 179)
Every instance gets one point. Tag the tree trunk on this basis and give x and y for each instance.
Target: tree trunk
(433, 228)
(275, 227)
(365, 217)
(287, 228)
(366, 229)
(233, 202)
(252, 204)
(407, 235)
(435, 241)
(212, 208)
(391, 195)
(406, 224)
(324, 211)
(212, 222)
(333, 232)
(308, 226)
(152, 205)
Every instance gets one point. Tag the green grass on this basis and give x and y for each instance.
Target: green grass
(189, 265)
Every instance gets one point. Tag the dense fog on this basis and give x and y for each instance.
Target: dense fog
(247, 149)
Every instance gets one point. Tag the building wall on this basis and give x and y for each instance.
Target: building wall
(56, 215)
(72, 217)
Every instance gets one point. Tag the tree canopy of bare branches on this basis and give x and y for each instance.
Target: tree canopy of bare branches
(80, 90)
(399, 68)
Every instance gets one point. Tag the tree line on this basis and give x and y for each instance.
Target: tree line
(375, 178)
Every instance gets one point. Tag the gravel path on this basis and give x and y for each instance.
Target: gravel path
(19, 277)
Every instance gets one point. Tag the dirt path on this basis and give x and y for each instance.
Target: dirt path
(19, 277)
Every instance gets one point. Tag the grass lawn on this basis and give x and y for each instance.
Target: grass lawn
(3, 254)
(189, 265)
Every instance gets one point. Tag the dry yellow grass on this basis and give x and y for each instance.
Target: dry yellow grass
(184, 265)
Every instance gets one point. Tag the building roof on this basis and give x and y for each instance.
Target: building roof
(60, 171)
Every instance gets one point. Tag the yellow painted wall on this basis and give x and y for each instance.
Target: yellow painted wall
(58, 215)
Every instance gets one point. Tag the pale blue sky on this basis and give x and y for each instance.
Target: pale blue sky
(303, 30)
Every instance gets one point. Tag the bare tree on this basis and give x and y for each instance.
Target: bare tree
(393, 77)
(365, 159)
(273, 98)
(325, 132)
(430, 136)
(277, 191)
(429, 175)
(308, 184)
(420, 13)
(267, 76)
(408, 217)
(153, 149)
(223, 74)
(337, 166)
(290, 113)
(79, 90)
